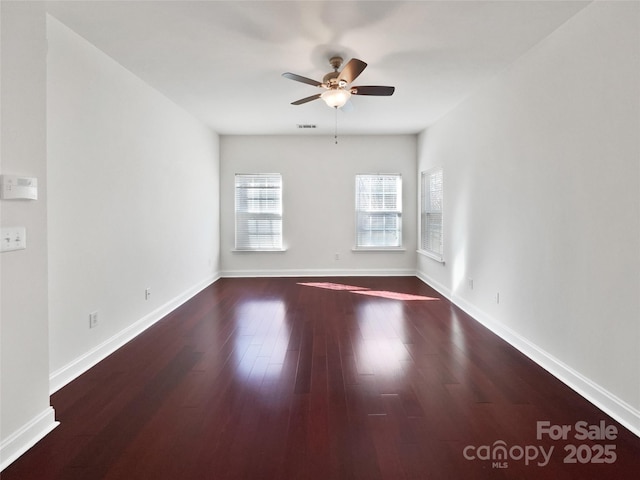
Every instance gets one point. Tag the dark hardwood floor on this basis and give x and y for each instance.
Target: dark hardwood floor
(272, 379)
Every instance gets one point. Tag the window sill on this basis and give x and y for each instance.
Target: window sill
(379, 249)
(270, 250)
(434, 256)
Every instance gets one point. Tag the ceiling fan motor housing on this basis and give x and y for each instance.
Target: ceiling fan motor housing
(331, 79)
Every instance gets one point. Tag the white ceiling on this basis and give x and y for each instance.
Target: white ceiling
(223, 60)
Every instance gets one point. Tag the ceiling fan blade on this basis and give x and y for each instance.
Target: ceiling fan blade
(299, 78)
(376, 90)
(351, 70)
(307, 99)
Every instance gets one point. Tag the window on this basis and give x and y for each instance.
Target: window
(259, 211)
(431, 234)
(378, 211)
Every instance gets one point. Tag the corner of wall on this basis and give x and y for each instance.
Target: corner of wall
(26, 415)
(26, 437)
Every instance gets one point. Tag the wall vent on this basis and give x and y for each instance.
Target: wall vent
(306, 125)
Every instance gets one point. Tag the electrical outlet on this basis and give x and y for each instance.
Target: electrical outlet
(470, 283)
(93, 319)
(337, 257)
(498, 297)
(147, 293)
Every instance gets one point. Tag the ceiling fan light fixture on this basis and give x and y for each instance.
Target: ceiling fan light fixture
(336, 97)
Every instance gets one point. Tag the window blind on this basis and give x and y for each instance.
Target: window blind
(258, 211)
(379, 210)
(431, 215)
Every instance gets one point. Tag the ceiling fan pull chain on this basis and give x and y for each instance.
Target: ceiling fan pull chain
(335, 135)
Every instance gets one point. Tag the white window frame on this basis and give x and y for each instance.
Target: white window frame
(258, 206)
(432, 214)
(366, 212)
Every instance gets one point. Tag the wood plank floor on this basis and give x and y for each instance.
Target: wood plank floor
(341, 378)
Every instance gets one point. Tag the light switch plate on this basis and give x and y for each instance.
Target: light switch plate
(13, 238)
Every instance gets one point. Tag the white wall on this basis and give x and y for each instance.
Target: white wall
(542, 204)
(133, 203)
(318, 202)
(25, 414)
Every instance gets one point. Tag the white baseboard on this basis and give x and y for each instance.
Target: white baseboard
(26, 437)
(389, 272)
(615, 407)
(437, 286)
(77, 367)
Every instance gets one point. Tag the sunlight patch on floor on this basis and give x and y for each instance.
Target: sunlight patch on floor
(366, 291)
(394, 295)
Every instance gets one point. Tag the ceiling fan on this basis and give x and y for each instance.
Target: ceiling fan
(336, 84)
